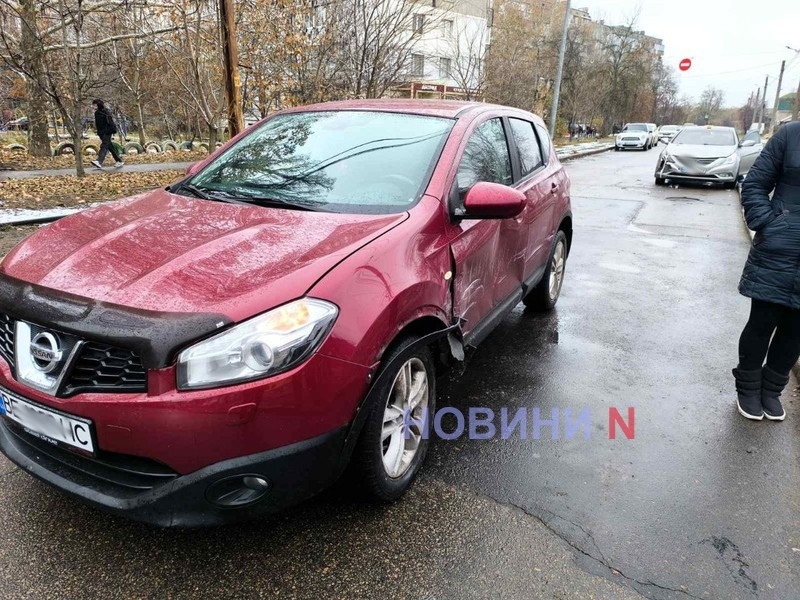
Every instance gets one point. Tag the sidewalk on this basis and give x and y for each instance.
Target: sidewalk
(90, 170)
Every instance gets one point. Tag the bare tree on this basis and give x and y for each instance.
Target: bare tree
(520, 62)
(467, 53)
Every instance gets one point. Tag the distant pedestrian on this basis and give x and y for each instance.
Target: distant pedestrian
(104, 123)
(771, 277)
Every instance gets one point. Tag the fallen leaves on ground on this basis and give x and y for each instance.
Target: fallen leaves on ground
(11, 236)
(66, 191)
(17, 160)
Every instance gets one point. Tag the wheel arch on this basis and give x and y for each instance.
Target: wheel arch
(565, 225)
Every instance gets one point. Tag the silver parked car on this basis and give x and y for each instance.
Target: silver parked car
(667, 132)
(708, 154)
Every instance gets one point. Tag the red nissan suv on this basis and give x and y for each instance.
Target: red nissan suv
(226, 346)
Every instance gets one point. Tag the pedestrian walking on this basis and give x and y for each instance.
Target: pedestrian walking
(104, 123)
(771, 277)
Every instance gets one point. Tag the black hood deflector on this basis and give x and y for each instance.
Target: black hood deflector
(155, 336)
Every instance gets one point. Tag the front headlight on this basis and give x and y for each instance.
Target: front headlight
(729, 160)
(266, 345)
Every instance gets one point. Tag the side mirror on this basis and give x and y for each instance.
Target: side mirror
(192, 168)
(747, 143)
(486, 200)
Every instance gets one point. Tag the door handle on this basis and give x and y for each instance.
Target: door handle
(553, 188)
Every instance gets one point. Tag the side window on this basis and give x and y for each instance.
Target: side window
(485, 157)
(530, 155)
(544, 141)
(753, 135)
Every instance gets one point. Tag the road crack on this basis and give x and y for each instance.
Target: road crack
(613, 571)
(14, 470)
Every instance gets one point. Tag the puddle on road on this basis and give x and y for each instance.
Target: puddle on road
(683, 198)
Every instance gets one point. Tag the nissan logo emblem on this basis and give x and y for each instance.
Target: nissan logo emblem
(45, 353)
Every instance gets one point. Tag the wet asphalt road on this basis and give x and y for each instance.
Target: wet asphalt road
(700, 504)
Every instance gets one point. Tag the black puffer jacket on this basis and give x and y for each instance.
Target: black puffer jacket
(104, 122)
(772, 272)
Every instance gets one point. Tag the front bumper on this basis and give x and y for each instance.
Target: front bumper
(672, 171)
(639, 144)
(152, 494)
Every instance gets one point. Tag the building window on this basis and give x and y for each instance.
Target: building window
(447, 28)
(444, 68)
(417, 65)
(419, 23)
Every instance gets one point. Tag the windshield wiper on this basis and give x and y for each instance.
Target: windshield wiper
(206, 194)
(277, 202)
(194, 190)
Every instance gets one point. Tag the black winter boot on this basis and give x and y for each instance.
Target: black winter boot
(772, 385)
(748, 389)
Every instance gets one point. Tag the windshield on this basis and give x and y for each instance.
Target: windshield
(706, 137)
(635, 127)
(342, 161)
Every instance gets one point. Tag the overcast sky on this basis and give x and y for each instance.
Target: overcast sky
(733, 44)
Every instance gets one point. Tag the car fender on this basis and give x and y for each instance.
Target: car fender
(397, 279)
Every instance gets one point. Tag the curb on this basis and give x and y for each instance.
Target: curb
(584, 153)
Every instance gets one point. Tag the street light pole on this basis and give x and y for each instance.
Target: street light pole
(557, 87)
(231, 56)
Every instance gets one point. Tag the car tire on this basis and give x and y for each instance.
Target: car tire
(64, 149)
(616, 148)
(384, 474)
(661, 181)
(545, 295)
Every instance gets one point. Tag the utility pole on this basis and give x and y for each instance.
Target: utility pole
(796, 113)
(755, 108)
(762, 104)
(231, 56)
(562, 51)
(777, 100)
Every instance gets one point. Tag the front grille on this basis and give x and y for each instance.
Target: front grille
(118, 475)
(7, 338)
(631, 139)
(103, 368)
(706, 161)
(97, 367)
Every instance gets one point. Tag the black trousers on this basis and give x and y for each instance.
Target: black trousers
(757, 341)
(105, 147)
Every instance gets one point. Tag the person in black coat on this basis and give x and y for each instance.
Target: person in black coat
(771, 277)
(104, 123)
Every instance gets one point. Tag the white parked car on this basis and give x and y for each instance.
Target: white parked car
(634, 135)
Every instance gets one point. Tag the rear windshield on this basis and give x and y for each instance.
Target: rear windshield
(706, 137)
(635, 127)
(341, 161)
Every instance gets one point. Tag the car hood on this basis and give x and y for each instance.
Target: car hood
(165, 252)
(689, 151)
(634, 133)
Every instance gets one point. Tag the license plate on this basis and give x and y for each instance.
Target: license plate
(47, 424)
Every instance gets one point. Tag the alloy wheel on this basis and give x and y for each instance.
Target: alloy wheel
(557, 270)
(401, 436)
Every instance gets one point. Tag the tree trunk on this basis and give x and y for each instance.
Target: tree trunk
(213, 133)
(30, 46)
(140, 111)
